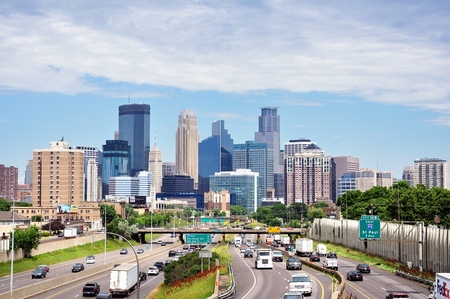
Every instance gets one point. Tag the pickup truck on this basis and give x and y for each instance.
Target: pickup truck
(331, 264)
(91, 289)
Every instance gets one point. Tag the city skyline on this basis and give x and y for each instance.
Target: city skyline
(367, 81)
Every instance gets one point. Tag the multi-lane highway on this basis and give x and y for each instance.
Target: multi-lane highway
(250, 282)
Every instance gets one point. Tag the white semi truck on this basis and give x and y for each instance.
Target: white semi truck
(263, 259)
(304, 247)
(123, 279)
(441, 287)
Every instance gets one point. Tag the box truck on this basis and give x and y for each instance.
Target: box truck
(70, 232)
(237, 241)
(277, 238)
(303, 247)
(441, 287)
(285, 240)
(321, 249)
(123, 279)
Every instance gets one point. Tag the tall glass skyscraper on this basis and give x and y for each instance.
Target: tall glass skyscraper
(134, 127)
(269, 133)
(258, 158)
(215, 154)
(116, 162)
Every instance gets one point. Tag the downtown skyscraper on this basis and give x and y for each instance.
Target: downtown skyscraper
(186, 146)
(215, 154)
(134, 127)
(269, 133)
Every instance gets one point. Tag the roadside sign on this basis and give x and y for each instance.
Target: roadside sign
(198, 238)
(274, 230)
(369, 227)
(205, 254)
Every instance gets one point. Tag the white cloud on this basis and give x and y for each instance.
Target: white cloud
(394, 53)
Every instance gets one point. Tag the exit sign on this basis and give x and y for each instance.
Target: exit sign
(198, 238)
(369, 227)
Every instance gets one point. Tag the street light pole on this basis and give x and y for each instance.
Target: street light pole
(151, 229)
(105, 238)
(12, 251)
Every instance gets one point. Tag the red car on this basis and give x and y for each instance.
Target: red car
(354, 275)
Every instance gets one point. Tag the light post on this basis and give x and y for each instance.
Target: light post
(12, 251)
(135, 255)
(151, 229)
(105, 238)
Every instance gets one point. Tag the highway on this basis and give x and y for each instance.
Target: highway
(250, 282)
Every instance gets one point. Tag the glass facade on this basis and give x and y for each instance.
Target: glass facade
(215, 154)
(116, 162)
(134, 127)
(243, 184)
(258, 158)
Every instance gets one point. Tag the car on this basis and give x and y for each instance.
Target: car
(277, 256)
(185, 247)
(176, 258)
(275, 244)
(90, 259)
(248, 253)
(331, 255)
(142, 275)
(77, 267)
(172, 253)
(163, 243)
(363, 268)
(123, 251)
(315, 257)
(293, 263)
(45, 267)
(292, 295)
(394, 295)
(243, 248)
(153, 270)
(173, 235)
(140, 250)
(301, 283)
(160, 265)
(39, 273)
(60, 235)
(91, 289)
(354, 275)
(167, 262)
(104, 296)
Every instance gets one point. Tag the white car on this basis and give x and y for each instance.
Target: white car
(90, 259)
(301, 283)
(153, 270)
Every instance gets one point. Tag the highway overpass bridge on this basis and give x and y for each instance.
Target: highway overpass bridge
(222, 231)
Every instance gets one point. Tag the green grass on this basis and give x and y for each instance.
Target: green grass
(64, 255)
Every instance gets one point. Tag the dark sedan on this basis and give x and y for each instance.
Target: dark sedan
(293, 263)
(363, 268)
(354, 275)
(142, 276)
(248, 253)
(159, 265)
(314, 257)
(77, 267)
(39, 273)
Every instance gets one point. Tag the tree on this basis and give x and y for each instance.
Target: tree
(27, 239)
(237, 210)
(36, 218)
(316, 213)
(5, 205)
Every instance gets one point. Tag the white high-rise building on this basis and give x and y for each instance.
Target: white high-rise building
(156, 168)
(92, 182)
(186, 146)
(431, 172)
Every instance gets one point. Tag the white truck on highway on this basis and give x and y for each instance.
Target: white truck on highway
(441, 287)
(123, 279)
(285, 240)
(70, 232)
(237, 241)
(321, 249)
(304, 247)
(263, 259)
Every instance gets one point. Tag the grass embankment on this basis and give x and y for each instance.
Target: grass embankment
(374, 260)
(200, 286)
(64, 255)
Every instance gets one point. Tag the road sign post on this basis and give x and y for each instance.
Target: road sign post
(369, 227)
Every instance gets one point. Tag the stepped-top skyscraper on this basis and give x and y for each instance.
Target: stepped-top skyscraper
(155, 167)
(186, 145)
(134, 127)
(215, 154)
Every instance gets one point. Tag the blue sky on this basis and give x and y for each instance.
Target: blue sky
(363, 79)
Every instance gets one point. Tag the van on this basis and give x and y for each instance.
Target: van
(104, 296)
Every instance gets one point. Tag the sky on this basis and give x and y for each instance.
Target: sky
(367, 79)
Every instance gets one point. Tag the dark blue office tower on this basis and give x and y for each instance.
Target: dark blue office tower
(134, 127)
(115, 162)
(215, 154)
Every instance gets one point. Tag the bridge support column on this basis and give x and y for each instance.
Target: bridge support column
(142, 238)
(223, 238)
(181, 238)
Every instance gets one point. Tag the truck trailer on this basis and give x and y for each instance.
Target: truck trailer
(285, 240)
(70, 232)
(441, 287)
(123, 279)
(304, 247)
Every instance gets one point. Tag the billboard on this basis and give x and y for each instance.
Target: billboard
(138, 200)
(63, 208)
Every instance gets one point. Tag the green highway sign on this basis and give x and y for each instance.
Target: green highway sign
(198, 238)
(369, 227)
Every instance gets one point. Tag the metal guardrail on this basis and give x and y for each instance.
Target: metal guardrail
(229, 293)
(414, 278)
